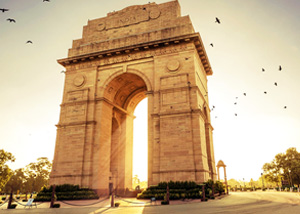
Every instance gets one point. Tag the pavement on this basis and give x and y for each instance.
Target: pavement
(234, 203)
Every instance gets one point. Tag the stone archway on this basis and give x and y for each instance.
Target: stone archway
(123, 92)
(141, 51)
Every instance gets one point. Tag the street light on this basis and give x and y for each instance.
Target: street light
(262, 178)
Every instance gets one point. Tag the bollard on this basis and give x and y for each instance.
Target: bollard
(168, 194)
(52, 196)
(10, 200)
(203, 193)
(111, 192)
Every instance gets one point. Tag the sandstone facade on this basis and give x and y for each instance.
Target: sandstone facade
(141, 51)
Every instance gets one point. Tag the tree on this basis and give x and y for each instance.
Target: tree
(284, 166)
(37, 175)
(5, 171)
(137, 182)
(16, 181)
(233, 183)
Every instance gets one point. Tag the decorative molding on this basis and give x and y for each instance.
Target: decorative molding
(138, 51)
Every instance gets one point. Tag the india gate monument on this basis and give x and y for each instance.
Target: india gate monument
(140, 51)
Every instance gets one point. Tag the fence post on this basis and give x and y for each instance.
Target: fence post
(111, 192)
(52, 196)
(10, 200)
(168, 194)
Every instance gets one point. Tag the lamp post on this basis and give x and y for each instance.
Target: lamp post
(33, 186)
(262, 178)
(111, 191)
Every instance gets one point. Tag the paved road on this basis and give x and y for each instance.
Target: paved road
(235, 203)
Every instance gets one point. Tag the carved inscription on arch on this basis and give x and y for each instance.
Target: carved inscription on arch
(144, 54)
(128, 18)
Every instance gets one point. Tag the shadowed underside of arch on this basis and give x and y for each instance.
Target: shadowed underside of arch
(126, 91)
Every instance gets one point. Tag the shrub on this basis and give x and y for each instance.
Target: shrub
(56, 206)
(66, 192)
(164, 202)
(180, 190)
(12, 206)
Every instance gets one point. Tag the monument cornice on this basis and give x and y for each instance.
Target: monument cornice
(195, 38)
(82, 123)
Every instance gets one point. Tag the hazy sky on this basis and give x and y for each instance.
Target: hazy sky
(253, 34)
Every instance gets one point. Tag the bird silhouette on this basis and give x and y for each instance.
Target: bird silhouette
(263, 70)
(275, 83)
(29, 42)
(4, 10)
(265, 92)
(236, 97)
(235, 103)
(285, 107)
(245, 94)
(211, 44)
(218, 20)
(46, 0)
(235, 114)
(280, 68)
(10, 20)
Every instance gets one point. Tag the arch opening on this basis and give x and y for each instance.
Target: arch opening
(124, 93)
(140, 146)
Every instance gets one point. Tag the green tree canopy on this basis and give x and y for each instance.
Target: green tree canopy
(5, 171)
(37, 174)
(16, 181)
(284, 166)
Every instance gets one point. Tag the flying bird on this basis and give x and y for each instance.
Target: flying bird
(218, 20)
(275, 83)
(235, 103)
(235, 114)
(29, 42)
(4, 10)
(265, 92)
(245, 94)
(211, 44)
(280, 68)
(263, 70)
(46, 0)
(10, 20)
(285, 107)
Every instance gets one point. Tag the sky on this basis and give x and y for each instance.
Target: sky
(252, 35)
